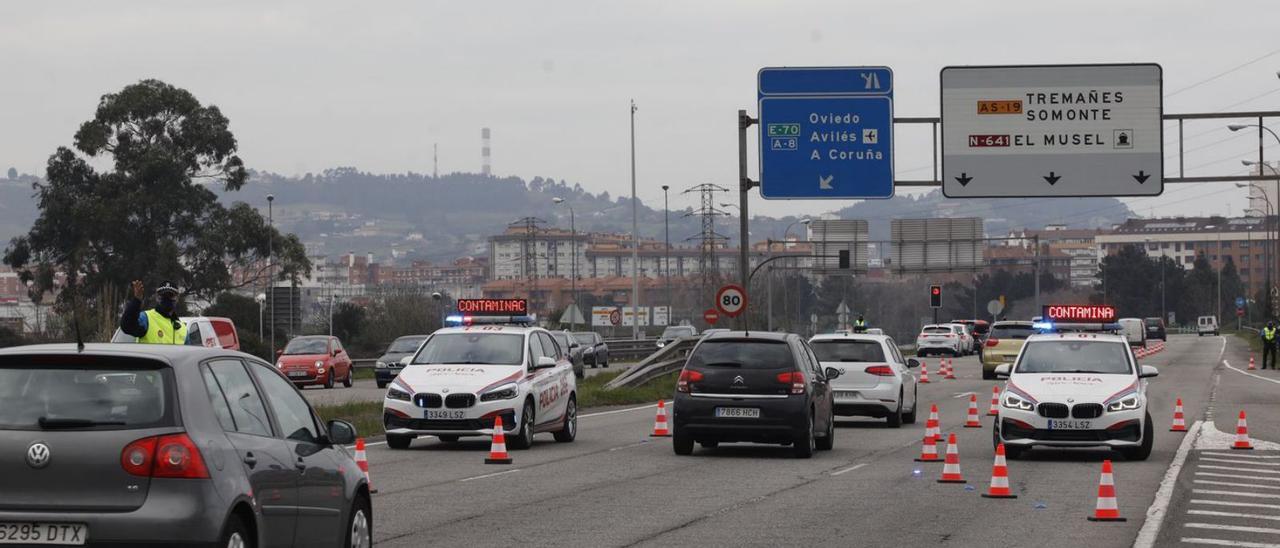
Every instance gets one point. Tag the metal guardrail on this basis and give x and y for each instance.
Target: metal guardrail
(669, 359)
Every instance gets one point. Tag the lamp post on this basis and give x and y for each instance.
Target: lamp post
(1163, 315)
(666, 249)
(261, 299)
(635, 234)
(271, 266)
(1267, 249)
(573, 262)
(1261, 130)
(31, 293)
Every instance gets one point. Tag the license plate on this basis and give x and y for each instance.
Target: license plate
(43, 533)
(846, 394)
(738, 412)
(446, 414)
(1070, 425)
(295, 374)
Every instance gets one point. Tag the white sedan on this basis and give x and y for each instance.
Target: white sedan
(875, 380)
(1075, 390)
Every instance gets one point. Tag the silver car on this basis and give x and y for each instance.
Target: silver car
(170, 445)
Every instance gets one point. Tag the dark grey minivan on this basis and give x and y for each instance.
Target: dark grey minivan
(128, 445)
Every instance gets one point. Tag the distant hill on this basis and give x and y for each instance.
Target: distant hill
(419, 216)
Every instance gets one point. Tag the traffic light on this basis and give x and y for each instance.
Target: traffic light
(935, 296)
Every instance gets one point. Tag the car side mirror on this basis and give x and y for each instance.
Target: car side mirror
(1002, 370)
(1148, 371)
(831, 373)
(335, 353)
(341, 432)
(913, 363)
(545, 362)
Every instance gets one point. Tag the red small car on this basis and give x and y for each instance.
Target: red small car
(315, 359)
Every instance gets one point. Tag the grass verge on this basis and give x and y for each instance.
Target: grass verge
(1252, 339)
(362, 373)
(366, 416)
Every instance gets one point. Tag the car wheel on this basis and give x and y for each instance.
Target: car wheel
(448, 438)
(382, 384)
(910, 417)
(328, 379)
(827, 442)
(804, 444)
(236, 534)
(988, 375)
(346, 381)
(681, 442)
(360, 527)
(523, 439)
(398, 441)
(894, 419)
(1143, 451)
(570, 430)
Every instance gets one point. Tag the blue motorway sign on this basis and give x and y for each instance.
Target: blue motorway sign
(826, 132)
(1239, 302)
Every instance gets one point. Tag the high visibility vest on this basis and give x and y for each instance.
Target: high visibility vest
(1269, 333)
(860, 323)
(162, 330)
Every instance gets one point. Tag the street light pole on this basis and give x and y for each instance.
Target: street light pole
(1261, 161)
(666, 249)
(271, 266)
(635, 234)
(573, 263)
(1267, 249)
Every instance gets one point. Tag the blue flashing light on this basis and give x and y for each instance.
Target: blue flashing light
(1043, 326)
(453, 320)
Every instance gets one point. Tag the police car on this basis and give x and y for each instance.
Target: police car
(465, 377)
(1075, 389)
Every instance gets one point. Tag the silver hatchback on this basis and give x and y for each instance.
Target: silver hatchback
(169, 446)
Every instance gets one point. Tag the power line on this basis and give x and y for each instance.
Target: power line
(1223, 73)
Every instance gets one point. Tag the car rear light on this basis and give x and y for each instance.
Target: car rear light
(880, 371)
(993, 341)
(950, 335)
(688, 376)
(795, 379)
(168, 456)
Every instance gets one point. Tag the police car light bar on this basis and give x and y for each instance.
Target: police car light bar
(461, 320)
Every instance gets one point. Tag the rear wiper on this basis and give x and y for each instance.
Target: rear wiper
(723, 364)
(60, 422)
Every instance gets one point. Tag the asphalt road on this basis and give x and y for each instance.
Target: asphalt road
(616, 486)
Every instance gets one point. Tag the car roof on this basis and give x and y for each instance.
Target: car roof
(169, 353)
(490, 328)
(1005, 323)
(1100, 337)
(849, 337)
(763, 335)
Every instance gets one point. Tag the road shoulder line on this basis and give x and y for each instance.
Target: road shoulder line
(1164, 495)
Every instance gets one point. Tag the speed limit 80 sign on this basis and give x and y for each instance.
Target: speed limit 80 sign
(731, 300)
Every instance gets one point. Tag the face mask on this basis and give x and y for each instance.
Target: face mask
(165, 305)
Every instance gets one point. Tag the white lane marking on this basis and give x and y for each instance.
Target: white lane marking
(849, 469)
(495, 474)
(1235, 476)
(1239, 504)
(1160, 506)
(1237, 469)
(1235, 484)
(1233, 515)
(1237, 528)
(964, 394)
(1239, 456)
(1220, 542)
(1229, 461)
(1248, 374)
(627, 410)
(1233, 494)
(628, 446)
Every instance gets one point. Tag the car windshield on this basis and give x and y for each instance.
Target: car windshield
(561, 339)
(1074, 356)
(1153, 322)
(473, 348)
(307, 346)
(758, 354)
(585, 338)
(47, 398)
(1016, 331)
(848, 351)
(673, 332)
(405, 345)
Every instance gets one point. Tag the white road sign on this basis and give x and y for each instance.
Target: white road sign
(1053, 130)
(600, 315)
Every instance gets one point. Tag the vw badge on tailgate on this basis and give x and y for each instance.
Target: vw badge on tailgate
(38, 455)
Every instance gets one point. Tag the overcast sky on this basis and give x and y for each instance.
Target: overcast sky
(311, 85)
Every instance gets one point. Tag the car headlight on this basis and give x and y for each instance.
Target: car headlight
(394, 393)
(661, 344)
(504, 392)
(1124, 404)
(380, 365)
(319, 364)
(1012, 401)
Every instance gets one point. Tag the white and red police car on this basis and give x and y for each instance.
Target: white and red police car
(1075, 389)
(463, 378)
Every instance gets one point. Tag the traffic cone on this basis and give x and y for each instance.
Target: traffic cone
(931, 428)
(929, 451)
(660, 429)
(498, 451)
(972, 421)
(1179, 424)
(951, 370)
(924, 373)
(363, 463)
(951, 470)
(1106, 509)
(942, 368)
(1242, 434)
(995, 402)
(1251, 366)
(999, 478)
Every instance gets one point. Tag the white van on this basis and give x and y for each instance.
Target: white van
(1207, 325)
(1134, 330)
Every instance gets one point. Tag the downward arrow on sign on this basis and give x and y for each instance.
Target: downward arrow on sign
(1051, 179)
(1141, 177)
(964, 179)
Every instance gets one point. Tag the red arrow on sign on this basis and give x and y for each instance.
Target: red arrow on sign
(711, 316)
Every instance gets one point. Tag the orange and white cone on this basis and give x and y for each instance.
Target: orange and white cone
(929, 451)
(1242, 434)
(363, 462)
(951, 470)
(931, 428)
(1106, 509)
(498, 451)
(995, 402)
(973, 421)
(660, 429)
(924, 373)
(999, 478)
(1179, 422)
(1251, 366)
(951, 370)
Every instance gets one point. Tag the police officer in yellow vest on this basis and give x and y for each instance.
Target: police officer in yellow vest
(159, 325)
(1269, 343)
(860, 326)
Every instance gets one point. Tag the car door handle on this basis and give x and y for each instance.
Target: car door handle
(250, 460)
(299, 464)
